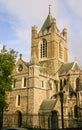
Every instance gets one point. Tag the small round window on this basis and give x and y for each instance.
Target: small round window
(20, 68)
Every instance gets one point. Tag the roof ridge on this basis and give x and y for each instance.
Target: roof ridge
(73, 65)
(66, 67)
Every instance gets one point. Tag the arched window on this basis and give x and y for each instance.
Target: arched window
(77, 83)
(61, 51)
(14, 83)
(42, 83)
(25, 82)
(43, 48)
(18, 100)
(65, 81)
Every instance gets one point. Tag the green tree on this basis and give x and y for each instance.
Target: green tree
(7, 63)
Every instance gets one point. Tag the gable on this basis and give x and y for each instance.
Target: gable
(20, 67)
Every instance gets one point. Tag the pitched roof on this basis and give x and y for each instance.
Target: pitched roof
(20, 59)
(48, 104)
(47, 23)
(65, 68)
(69, 66)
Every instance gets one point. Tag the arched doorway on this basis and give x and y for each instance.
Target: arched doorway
(18, 118)
(54, 119)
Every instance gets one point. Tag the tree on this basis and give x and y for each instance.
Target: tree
(7, 63)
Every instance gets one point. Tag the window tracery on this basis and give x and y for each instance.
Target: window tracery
(43, 48)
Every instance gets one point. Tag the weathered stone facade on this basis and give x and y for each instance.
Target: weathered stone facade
(38, 85)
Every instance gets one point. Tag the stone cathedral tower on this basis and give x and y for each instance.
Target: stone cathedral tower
(35, 100)
(50, 45)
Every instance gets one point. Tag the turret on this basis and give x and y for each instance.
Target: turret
(34, 31)
(34, 34)
(65, 33)
(53, 24)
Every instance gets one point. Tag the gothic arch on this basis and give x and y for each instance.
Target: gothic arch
(18, 118)
(61, 50)
(77, 83)
(43, 48)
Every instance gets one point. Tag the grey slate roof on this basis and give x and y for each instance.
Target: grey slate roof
(48, 104)
(47, 23)
(65, 68)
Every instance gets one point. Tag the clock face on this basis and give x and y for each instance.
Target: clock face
(20, 68)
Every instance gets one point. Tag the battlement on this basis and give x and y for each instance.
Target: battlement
(62, 34)
(49, 30)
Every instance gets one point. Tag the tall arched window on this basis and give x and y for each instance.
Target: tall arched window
(65, 81)
(43, 48)
(18, 100)
(14, 83)
(77, 84)
(61, 51)
(24, 81)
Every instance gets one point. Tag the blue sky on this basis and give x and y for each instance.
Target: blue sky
(18, 16)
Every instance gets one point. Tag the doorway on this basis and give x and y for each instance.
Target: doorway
(18, 119)
(54, 119)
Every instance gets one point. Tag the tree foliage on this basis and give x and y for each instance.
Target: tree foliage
(7, 62)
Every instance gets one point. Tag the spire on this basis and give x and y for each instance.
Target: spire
(47, 23)
(49, 9)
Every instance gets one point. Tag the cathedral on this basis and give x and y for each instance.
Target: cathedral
(47, 90)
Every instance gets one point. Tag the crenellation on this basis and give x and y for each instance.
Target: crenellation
(62, 34)
(44, 33)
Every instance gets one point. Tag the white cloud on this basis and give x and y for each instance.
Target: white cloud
(28, 12)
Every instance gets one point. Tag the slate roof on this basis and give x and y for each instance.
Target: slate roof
(47, 23)
(48, 104)
(65, 68)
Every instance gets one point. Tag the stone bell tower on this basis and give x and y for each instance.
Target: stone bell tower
(50, 45)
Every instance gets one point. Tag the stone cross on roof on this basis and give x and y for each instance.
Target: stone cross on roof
(49, 9)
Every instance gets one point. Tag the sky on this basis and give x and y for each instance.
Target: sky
(18, 16)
